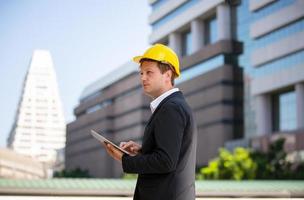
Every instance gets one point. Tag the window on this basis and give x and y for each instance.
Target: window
(100, 106)
(41, 100)
(211, 30)
(41, 107)
(284, 111)
(93, 108)
(186, 43)
(41, 114)
(39, 127)
(41, 87)
(200, 68)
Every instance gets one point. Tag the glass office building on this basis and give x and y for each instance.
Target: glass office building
(272, 32)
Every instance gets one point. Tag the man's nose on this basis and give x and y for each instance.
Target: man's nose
(143, 77)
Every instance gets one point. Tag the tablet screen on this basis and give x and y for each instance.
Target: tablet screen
(101, 138)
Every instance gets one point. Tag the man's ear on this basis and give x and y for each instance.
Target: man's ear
(169, 74)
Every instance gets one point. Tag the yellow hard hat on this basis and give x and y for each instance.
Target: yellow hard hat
(161, 53)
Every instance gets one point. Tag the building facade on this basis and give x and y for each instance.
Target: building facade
(272, 33)
(113, 105)
(203, 33)
(39, 126)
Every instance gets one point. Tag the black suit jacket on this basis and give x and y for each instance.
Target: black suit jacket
(166, 165)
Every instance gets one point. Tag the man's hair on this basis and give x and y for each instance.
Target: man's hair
(163, 67)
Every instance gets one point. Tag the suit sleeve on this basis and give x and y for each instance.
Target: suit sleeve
(168, 133)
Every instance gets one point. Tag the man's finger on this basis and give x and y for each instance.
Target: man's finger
(122, 144)
(128, 144)
(107, 147)
(112, 148)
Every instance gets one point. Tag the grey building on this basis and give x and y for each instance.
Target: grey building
(114, 105)
(242, 74)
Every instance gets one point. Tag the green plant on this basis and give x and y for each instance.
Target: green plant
(237, 166)
(246, 164)
(129, 176)
(274, 164)
(74, 173)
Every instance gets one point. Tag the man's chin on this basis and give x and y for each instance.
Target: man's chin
(148, 93)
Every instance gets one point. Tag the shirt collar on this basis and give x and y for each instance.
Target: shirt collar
(156, 102)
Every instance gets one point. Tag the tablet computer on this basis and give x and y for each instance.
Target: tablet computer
(105, 140)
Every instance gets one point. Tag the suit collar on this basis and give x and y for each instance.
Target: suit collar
(178, 93)
(154, 104)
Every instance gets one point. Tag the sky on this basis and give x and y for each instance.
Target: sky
(86, 38)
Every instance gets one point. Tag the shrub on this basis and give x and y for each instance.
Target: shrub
(275, 165)
(245, 164)
(75, 173)
(237, 166)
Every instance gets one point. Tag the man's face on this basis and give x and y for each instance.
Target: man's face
(153, 81)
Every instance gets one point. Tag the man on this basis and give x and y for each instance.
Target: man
(165, 163)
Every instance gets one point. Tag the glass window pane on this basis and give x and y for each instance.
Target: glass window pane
(211, 31)
(187, 43)
(287, 111)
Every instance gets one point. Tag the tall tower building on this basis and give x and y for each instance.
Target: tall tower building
(39, 126)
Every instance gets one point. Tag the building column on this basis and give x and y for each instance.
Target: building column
(197, 30)
(300, 105)
(223, 15)
(175, 42)
(263, 115)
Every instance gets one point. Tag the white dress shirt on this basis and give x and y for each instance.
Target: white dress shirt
(156, 102)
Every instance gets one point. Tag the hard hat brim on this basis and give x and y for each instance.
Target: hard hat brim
(137, 59)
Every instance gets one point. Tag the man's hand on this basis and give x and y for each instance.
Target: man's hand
(131, 147)
(113, 152)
